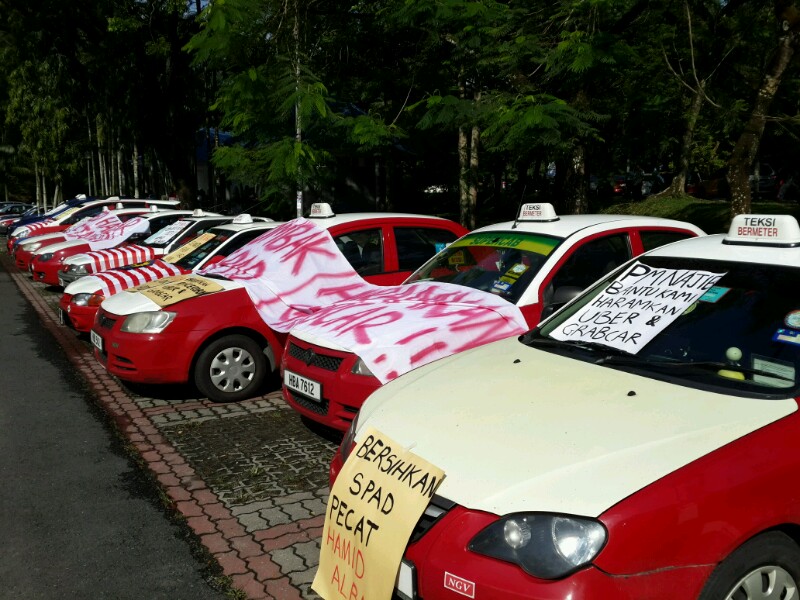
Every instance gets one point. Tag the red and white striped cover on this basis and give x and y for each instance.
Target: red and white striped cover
(102, 260)
(38, 228)
(116, 280)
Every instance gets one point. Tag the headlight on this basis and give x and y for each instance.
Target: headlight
(78, 269)
(148, 322)
(349, 439)
(32, 247)
(87, 299)
(45, 257)
(544, 545)
(360, 368)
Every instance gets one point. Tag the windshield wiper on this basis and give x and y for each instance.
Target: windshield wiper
(574, 345)
(215, 276)
(709, 365)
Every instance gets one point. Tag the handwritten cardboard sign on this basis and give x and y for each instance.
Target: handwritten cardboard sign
(636, 306)
(175, 289)
(188, 247)
(377, 499)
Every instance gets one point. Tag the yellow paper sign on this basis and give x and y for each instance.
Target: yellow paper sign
(188, 247)
(170, 290)
(379, 495)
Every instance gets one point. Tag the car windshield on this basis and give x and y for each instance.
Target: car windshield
(500, 262)
(737, 330)
(191, 260)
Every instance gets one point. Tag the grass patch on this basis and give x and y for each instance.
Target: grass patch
(712, 216)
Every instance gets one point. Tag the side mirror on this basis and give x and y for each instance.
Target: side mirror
(559, 298)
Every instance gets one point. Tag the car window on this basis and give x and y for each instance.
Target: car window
(654, 239)
(502, 263)
(363, 249)
(415, 245)
(82, 214)
(592, 260)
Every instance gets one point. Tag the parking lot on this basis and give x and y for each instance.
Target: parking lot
(249, 478)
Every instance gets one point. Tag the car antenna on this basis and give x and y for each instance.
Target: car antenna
(519, 206)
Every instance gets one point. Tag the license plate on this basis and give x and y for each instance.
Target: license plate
(405, 586)
(61, 282)
(96, 340)
(303, 385)
(61, 316)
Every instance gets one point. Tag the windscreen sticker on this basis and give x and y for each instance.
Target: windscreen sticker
(501, 286)
(521, 241)
(457, 258)
(787, 336)
(784, 371)
(439, 246)
(792, 319)
(636, 306)
(714, 294)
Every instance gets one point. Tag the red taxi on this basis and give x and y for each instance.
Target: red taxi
(64, 218)
(641, 443)
(82, 298)
(48, 262)
(219, 341)
(536, 262)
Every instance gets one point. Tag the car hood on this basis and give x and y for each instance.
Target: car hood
(44, 238)
(520, 429)
(129, 302)
(59, 246)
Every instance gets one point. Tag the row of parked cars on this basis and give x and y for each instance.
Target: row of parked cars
(612, 399)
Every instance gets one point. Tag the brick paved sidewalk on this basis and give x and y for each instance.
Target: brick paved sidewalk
(249, 477)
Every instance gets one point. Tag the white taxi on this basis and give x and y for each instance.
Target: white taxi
(643, 442)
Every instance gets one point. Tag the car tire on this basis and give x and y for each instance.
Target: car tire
(769, 560)
(231, 368)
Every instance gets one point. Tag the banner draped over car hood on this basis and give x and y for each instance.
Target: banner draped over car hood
(112, 258)
(292, 271)
(108, 283)
(399, 328)
(106, 230)
(296, 270)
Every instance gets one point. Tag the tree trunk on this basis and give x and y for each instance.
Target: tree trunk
(463, 177)
(38, 184)
(120, 174)
(678, 183)
(298, 124)
(135, 159)
(575, 182)
(746, 148)
(474, 146)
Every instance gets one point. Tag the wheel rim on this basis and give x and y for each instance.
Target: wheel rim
(232, 370)
(765, 583)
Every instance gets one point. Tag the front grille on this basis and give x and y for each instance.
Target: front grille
(311, 358)
(436, 509)
(321, 408)
(106, 322)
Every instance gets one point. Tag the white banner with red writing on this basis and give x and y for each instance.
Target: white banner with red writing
(292, 271)
(399, 328)
(106, 230)
(112, 258)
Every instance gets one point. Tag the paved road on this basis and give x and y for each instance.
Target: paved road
(78, 519)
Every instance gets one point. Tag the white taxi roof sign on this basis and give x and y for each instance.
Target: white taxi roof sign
(321, 210)
(242, 219)
(198, 212)
(153, 208)
(537, 211)
(764, 230)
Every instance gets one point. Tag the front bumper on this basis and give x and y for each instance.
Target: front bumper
(140, 357)
(46, 271)
(442, 565)
(343, 392)
(80, 318)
